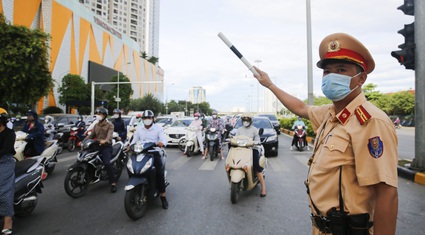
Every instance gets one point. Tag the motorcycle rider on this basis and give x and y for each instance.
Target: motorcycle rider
(7, 169)
(119, 125)
(103, 131)
(35, 138)
(198, 124)
(397, 122)
(251, 131)
(49, 128)
(152, 132)
(81, 125)
(216, 123)
(298, 122)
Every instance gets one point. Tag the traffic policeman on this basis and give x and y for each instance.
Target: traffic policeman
(352, 179)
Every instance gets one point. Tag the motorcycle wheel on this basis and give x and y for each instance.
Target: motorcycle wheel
(25, 211)
(135, 202)
(77, 182)
(211, 152)
(71, 145)
(182, 144)
(117, 169)
(234, 192)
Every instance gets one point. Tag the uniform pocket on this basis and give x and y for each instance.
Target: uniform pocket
(333, 152)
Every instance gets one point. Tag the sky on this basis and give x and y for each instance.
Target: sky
(275, 33)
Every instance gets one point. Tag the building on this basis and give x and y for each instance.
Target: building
(138, 19)
(197, 95)
(82, 43)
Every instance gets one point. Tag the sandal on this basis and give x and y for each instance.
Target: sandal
(6, 231)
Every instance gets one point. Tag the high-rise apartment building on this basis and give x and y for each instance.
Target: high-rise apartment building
(197, 95)
(138, 19)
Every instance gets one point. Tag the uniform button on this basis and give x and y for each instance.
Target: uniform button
(332, 146)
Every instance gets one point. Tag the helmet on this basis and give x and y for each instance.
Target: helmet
(80, 118)
(102, 111)
(48, 119)
(139, 115)
(196, 115)
(3, 116)
(148, 114)
(247, 117)
(214, 112)
(117, 111)
(32, 113)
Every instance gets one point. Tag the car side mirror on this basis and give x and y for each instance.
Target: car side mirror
(261, 131)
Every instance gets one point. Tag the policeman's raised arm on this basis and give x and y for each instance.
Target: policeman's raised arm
(292, 103)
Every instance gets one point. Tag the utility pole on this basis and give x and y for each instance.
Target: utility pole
(258, 88)
(309, 56)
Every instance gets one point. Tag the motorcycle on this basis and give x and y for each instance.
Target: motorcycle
(189, 142)
(397, 125)
(142, 187)
(239, 165)
(89, 169)
(49, 154)
(212, 143)
(300, 137)
(74, 138)
(28, 176)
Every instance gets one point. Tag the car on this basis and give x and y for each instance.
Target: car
(165, 121)
(269, 138)
(177, 130)
(274, 121)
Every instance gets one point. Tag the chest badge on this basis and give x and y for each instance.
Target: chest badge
(376, 147)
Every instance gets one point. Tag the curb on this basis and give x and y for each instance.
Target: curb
(406, 173)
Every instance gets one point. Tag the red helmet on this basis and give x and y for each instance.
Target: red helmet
(196, 115)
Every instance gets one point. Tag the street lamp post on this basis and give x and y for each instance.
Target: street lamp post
(118, 99)
(258, 88)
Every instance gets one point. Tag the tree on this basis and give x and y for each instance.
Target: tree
(73, 88)
(125, 92)
(153, 60)
(147, 102)
(25, 75)
(403, 103)
(320, 100)
(370, 93)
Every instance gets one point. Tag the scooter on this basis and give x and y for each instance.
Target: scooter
(300, 137)
(189, 142)
(28, 176)
(74, 138)
(239, 165)
(212, 142)
(142, 186)
(49, 154)
(89, 168)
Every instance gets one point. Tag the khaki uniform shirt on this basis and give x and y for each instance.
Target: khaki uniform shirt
(361, 139)
(102, 131)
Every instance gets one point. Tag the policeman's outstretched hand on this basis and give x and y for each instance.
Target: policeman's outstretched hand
(263, 78)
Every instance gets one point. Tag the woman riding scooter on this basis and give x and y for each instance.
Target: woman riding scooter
(198, 124)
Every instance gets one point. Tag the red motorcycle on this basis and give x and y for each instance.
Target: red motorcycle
(300, 137)
(74, 138)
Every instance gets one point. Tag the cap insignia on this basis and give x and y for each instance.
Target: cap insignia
(362, 115)
(334, 46)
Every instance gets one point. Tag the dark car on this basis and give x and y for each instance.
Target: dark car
(269, 138)
(274, 121)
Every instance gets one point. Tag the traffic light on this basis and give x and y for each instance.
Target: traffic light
(406, 56)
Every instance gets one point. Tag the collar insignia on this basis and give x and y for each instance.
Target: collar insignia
(334, 46)
(376, 147)
(362, 115)
(343, 117)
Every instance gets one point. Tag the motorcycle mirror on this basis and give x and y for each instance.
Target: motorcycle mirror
(261, 131)
(60, 125)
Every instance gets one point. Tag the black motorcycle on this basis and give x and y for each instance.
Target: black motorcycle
(212, 142)
(142, 186)
(28, 176)
(89, 168)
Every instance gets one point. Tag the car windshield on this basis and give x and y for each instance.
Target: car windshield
(270, 116)
(257, 122)
(181, 123)
(163, 120)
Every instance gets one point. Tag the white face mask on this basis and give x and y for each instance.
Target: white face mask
(99, 118)
(214, 116)
(115, 116)
(196, 118)
(147, 122)
(246, 124)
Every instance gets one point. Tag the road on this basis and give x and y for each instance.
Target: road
(199, 199)
(406, 142)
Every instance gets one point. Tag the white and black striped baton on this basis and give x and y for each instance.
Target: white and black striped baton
(237, 53)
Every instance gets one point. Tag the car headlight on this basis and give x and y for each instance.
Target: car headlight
(130, 165)
(271, 138)
(147, 166)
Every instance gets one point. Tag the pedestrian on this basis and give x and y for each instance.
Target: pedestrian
(7, 175)
(352, 179)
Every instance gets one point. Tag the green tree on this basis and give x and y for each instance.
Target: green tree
(371, 94)
(147, 102)
(403, 103)
(125, 92)
(153, 60)
(320, 100)
(73, 88)
(25, 75)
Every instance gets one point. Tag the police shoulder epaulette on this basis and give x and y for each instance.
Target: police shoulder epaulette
(362, 115)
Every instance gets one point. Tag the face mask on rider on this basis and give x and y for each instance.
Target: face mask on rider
(337, 86)
(99, 118)
(196, 118)
(147, 122)
(115, 116)
(214, 116)
(246, 123)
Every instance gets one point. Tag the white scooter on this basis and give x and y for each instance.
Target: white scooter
(189, 143)
(239, 165)
(49, 154)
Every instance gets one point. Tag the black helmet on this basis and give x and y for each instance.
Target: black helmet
(32, 113)
(102, 111)
(148, 114)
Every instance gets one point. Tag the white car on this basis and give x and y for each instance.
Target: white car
(177, 130)
(165, 121)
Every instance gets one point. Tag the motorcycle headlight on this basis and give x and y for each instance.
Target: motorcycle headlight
(241, 142)
(138, 148)
(130, 165)
(146, 166)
